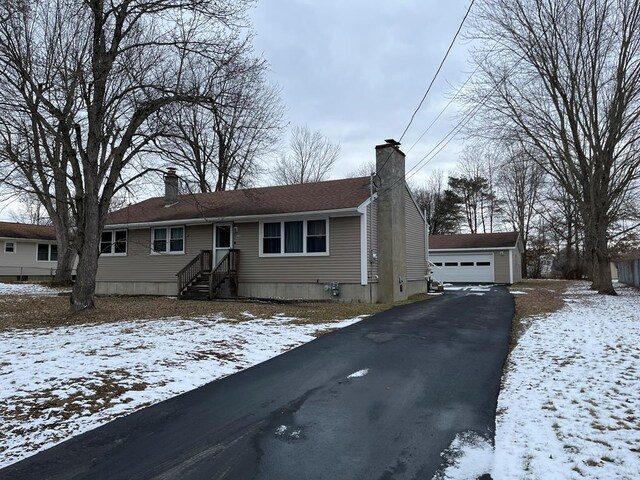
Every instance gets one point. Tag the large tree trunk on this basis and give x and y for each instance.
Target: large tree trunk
(66, 259)
(82, 296)
(601, 261)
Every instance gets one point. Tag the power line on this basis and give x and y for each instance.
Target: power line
(435, 76)
(437, 71)
(443, 110)
(453, 132)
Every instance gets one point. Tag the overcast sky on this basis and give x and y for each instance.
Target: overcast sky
(357, 69)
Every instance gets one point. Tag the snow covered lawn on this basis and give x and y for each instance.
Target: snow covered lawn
(570, 404)
(59, 382)
(27, 289)
(569, 408)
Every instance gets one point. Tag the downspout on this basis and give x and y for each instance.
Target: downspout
(370, 239)
(426, 248)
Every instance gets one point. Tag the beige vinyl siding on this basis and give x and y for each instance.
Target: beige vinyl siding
(25, 258)
(416, 257)
(140, 266)
(372, 240)
(517, 266)
(341, 265)
(501, 266)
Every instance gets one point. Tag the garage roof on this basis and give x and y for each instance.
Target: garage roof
(473, 240)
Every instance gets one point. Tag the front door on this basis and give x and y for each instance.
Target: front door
(222, 241)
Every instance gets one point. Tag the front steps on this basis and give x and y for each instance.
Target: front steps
(199, 289)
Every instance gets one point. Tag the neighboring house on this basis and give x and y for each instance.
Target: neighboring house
(477, 258)
(27, 252)
(310, 241)
(546, 264)
(628, 268)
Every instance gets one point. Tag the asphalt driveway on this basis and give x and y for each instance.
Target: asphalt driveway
(432, 370)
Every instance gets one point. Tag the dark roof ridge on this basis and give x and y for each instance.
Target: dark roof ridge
(336, 194)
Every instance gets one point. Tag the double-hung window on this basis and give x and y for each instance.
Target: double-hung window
(9, 247)
(168, 240)
(47, 252)
(295, 237)
(113, 242)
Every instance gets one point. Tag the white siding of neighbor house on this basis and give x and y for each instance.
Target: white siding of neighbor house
(139, 265)
(24, 261)
(341, 265)
(416, 256)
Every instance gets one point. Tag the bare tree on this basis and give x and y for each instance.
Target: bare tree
(30, 211)
(563, 79)
(80, 84)
(221, 145)
(519, 184)
(310, 158)
(365, 169)
(477, 167)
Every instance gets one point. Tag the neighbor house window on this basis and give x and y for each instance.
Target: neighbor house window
(9, 247)
(47, 252)
(113, 242)
(295, 237)
(168, 240)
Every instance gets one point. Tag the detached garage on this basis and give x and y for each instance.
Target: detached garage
(477, 258)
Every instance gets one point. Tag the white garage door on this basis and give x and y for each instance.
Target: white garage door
(463, 268)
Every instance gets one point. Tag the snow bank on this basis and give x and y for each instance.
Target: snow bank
(468, 457)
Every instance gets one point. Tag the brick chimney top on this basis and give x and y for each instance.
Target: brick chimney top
(171, 181)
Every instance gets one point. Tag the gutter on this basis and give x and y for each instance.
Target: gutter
(344, 212)
(437, 250)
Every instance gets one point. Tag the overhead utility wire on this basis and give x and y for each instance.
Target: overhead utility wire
(435, 76)
(424, 97)
(467, 117)
(454, 131)
(458, 92)
(443, 110)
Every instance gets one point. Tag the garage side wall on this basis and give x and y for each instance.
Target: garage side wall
(517, 266)
(501, 266)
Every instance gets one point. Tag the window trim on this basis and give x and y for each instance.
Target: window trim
(49, 245)
(168, 240)
(304, 252)
(15, 247)
(113, 244)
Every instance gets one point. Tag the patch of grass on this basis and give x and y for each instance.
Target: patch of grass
(53, 311)
(542, 298)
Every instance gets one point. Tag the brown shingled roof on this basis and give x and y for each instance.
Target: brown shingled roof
(306, 197)
(26, 230)
(473, 240)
